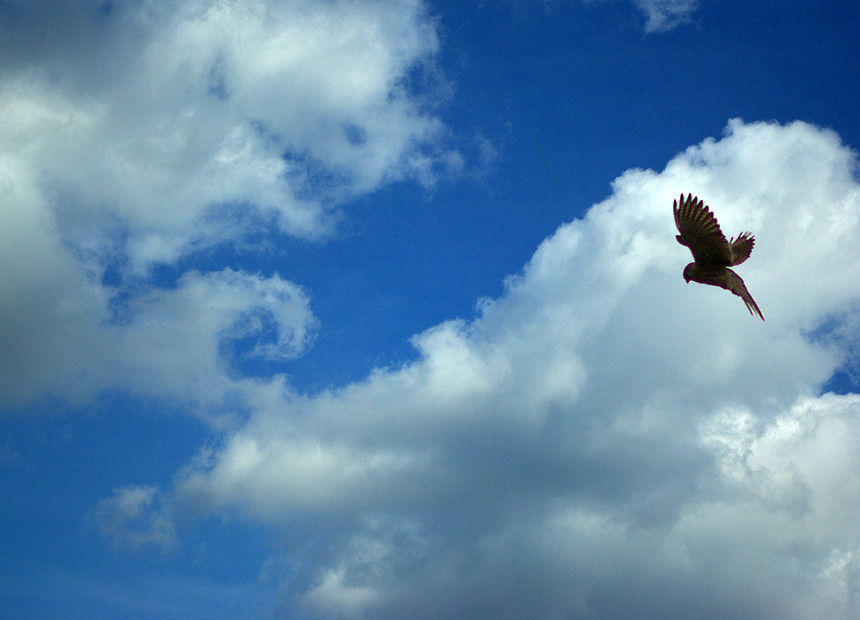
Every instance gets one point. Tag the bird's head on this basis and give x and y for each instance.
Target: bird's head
(688, 272)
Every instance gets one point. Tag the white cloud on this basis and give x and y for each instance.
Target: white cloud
(50, 308)
(604, 439)
(123, 124)
(173, 343)
(663, 15)
(134, 517)
(205, 98)
(176, 342)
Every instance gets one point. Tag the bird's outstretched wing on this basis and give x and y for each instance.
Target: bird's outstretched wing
(731, 281)
(701, 232)
(741, 247)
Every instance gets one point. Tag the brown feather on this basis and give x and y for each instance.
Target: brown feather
(742, 247)
(712, 252)
(701, 232)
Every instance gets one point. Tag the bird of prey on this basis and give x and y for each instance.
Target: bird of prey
(713, 254)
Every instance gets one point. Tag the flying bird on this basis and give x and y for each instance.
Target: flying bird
(713, 254)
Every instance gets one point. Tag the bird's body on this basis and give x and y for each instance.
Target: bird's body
(713, 254)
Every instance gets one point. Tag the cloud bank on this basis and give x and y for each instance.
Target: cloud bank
(603, 440)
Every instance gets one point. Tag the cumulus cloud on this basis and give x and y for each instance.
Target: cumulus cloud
(182, 341)
(210, 102)
(603, 439)
(185, 343)
(130, 131)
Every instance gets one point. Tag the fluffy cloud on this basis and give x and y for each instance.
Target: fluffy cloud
(199, 103)
(183, 343)
(604, 439)
(127, 138)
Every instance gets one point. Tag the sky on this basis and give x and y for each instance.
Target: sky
(373, 309)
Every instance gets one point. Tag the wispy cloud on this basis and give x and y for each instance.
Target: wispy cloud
(135, 517)
(663, 15)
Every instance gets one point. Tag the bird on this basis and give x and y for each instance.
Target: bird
(713, 254)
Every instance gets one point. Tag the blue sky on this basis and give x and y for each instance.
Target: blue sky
(370, 309)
